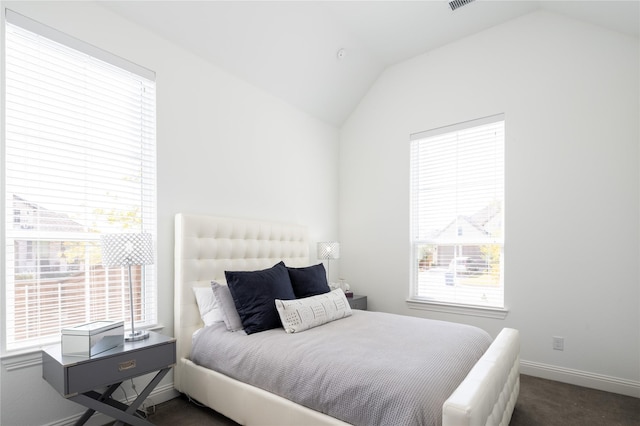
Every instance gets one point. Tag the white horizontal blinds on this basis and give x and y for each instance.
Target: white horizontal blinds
(80, 160)
(457, 196)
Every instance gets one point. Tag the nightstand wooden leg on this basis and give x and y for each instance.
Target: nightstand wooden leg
(109, 407)
(105, 395)
(145, 393)
(124, 414)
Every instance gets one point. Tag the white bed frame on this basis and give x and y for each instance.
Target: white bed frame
(206, 246)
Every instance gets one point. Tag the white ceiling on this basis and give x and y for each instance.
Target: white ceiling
(289, 48)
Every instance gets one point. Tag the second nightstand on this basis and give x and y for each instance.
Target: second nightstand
(358, 302)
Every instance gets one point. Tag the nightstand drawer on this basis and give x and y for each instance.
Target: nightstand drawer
(72, 375)
(358, 302)
(86, 376)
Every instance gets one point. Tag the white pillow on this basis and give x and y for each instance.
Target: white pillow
(302, 314)
(209, 310)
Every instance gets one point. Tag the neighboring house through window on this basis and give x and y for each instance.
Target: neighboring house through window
(79, 160)
(457, 214)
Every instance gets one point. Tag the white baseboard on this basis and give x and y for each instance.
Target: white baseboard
(158, 395)
(581, 378)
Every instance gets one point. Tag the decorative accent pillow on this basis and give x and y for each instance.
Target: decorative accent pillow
(309, 281)
(227, 307)
(209, 309)
(303, 314)
(254, 293)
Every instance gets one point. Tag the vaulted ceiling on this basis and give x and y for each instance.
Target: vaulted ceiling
(323, 56)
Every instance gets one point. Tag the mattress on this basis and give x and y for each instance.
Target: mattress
(369, 368)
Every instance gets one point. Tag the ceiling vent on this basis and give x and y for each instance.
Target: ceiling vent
(455, 4)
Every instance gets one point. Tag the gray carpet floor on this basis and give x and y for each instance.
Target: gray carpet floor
(541, 403)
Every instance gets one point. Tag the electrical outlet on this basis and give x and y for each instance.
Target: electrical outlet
(558, 343)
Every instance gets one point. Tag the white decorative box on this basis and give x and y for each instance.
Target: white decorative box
(90, 339)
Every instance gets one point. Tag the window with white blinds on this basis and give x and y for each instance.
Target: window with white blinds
(79, 161)
(457, 211)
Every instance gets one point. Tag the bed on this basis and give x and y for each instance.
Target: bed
(207, 246)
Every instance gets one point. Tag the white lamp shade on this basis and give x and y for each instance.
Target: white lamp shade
(329, 250)
(126, 249)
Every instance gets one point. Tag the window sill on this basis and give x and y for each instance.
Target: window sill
(451, 308)
(22, 359)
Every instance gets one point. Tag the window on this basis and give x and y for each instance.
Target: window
(457, 211)
(79, 160)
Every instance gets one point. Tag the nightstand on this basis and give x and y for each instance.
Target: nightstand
(75, 378)
(358, 302)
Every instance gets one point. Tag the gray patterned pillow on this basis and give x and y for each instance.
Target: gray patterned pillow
(225, 302)
(302, 314)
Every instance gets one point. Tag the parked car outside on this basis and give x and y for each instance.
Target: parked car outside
(463, 266)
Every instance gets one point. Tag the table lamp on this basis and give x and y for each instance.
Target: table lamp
(127, 250)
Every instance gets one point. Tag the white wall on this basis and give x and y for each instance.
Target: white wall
(224, 148)
(570, 93)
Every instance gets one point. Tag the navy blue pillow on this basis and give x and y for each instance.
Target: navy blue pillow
(254, 294)
(309, 281)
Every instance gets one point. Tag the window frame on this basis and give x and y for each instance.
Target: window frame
(148, 282)
(422, 302)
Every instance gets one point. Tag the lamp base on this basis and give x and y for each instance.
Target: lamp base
(138, 335)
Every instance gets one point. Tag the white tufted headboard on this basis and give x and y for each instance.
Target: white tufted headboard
(206, 246)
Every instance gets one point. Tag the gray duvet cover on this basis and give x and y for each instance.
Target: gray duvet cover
(371, 368)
